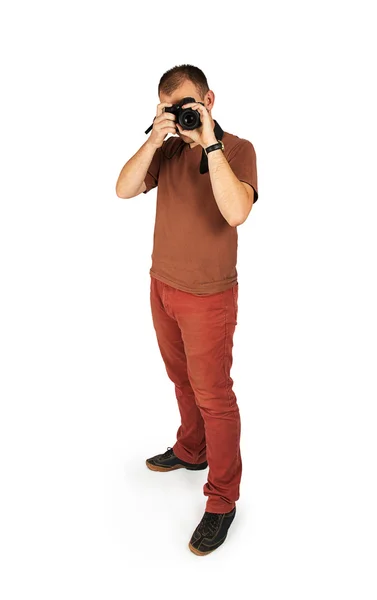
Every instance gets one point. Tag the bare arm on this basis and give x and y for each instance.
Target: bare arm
(131, 179)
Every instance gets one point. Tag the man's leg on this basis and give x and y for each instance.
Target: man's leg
(207, 325)
(191, 444)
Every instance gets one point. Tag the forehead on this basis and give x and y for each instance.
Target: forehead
(186, 89)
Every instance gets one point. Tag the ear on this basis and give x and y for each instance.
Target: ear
(211, 97)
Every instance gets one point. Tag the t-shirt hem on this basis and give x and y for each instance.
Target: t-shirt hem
(254, 188)
(217, 287)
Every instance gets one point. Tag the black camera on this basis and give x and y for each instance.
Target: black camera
(188, 118)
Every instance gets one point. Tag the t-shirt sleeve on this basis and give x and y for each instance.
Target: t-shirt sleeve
(151, 178)
(243, 162)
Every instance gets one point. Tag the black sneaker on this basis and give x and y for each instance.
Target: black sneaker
(211, 532)
(169, 462)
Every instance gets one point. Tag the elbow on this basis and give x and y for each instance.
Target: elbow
(235, 222)
(120, 194)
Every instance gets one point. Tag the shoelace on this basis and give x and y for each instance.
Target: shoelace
(209, 523)
(168, 452)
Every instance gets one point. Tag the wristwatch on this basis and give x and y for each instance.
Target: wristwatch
(218, 146)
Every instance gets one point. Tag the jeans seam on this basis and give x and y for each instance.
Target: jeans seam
(235, 301)
(225, 355)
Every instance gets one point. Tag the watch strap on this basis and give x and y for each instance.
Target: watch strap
(219, 133)
(218, 146)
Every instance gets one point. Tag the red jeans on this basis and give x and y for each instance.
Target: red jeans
(195, 337)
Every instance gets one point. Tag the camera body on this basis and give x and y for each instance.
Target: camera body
(188, 118)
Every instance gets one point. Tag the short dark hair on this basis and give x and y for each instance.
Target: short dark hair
(173, 79)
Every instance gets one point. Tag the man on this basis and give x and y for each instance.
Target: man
(201, 199)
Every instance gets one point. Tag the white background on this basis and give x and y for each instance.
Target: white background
(85, 397)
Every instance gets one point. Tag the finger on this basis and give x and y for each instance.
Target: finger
(184, 131)
(161, 106)
(163, 124)
(165, 117)
(167, 130)
(194, 105)
(168, 125)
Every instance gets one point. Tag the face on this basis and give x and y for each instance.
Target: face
(185, 90)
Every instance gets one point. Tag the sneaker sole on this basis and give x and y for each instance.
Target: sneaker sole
(198, 553)
(162, 469)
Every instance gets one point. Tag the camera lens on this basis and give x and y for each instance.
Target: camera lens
(190, 119)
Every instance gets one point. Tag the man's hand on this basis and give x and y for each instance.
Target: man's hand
(162, 125)
(203, 135)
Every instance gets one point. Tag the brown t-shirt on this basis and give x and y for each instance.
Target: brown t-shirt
(195, 248)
